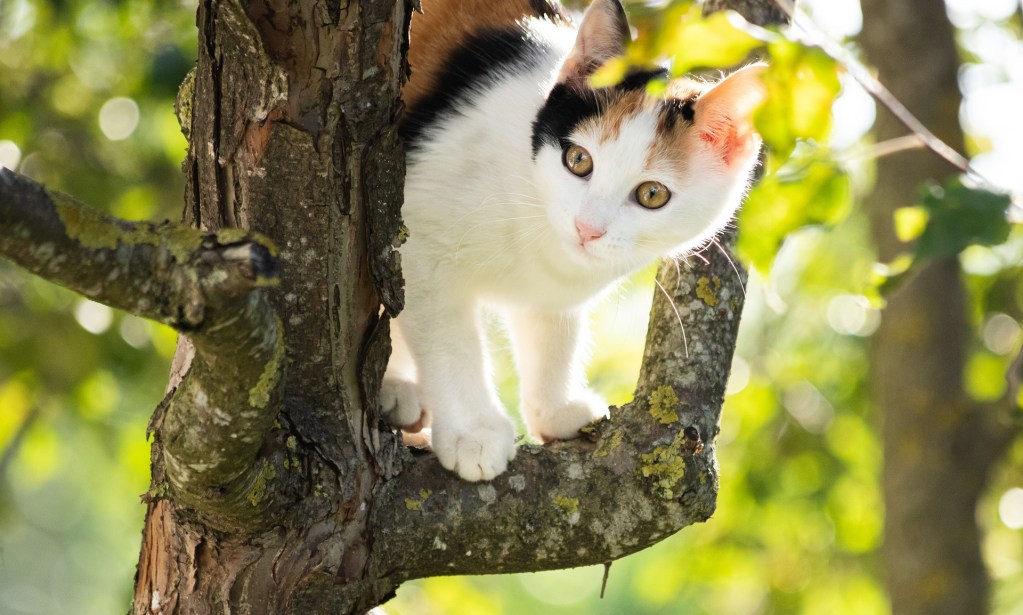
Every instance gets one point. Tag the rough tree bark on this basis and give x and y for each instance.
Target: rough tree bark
(275, 487)
(939, 445)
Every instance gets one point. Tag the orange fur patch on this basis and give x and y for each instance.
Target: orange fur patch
(609, 123)
(445, 25)
(671, 136)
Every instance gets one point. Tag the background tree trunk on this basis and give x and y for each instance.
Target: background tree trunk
(939, 445)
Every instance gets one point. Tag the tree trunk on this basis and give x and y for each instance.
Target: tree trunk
(276, 489)
(939, 445)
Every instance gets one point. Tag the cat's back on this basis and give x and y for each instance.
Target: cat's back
(446, 27)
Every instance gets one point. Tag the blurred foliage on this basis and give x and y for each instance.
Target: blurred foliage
(85, 106)
(77, 381)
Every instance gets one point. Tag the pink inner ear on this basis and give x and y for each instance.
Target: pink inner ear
(729, 141)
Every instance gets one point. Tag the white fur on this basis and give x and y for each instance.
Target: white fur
(489, 226)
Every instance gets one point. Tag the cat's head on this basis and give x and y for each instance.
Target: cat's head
(629, 177)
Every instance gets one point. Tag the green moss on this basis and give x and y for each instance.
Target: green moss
(707, 289)
(94, 230)
(662, 405)
(569, 506)
(231, 235)
(608, 444)
(291, 443)
(258, 490)
(417, 503)
(183, 106)
(259, 395)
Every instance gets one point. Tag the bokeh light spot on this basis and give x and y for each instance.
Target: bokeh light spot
(118, 118)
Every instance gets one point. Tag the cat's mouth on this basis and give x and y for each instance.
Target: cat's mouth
(584, 252)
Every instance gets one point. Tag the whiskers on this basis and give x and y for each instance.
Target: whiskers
(724, 252)
(681, 259)
(525, 207)
(681, 326)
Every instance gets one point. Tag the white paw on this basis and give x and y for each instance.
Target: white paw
(563, 423)
(399, 401)
(478, 450)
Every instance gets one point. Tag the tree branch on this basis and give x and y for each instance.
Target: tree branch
(642, 475)
(205, 285)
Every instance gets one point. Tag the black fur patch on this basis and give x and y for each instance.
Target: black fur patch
(567, 106)
(548, 10)
(675, 109)
(482, 58)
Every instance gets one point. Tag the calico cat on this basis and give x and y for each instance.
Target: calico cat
(531, 193)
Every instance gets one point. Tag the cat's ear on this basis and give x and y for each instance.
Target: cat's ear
(724, 114)
(603, 34)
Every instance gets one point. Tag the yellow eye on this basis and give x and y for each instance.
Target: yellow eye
(652, 195)
(578, 160)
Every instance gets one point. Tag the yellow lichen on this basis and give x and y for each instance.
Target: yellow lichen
(402, 236)
(258, 491)
(417, 503)
(569, 506)
(259, 395)
(707, 289)
(662, 405)
(92, 229)
(608, 444)
(666, 465)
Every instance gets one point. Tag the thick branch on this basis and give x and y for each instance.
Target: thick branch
(163, 272)
(206, 286)
(643, 475)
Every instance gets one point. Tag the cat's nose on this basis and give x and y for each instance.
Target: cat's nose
(587, 232)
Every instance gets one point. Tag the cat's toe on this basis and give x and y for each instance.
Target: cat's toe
(564, 423)
(399, 401)
(476, 453)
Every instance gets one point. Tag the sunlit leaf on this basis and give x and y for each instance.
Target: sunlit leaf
(712, 41)
(610, 73)
(809, 192)
(910, 222)
(802, 84)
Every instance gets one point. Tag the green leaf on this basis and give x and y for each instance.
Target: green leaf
(959, 217)
(910, 222)
(697, 41)
(802, 84)
(807, 192)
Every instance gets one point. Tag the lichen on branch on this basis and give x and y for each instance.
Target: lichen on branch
(208, 286)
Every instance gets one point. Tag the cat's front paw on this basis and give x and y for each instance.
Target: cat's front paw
(477, 450)
(399, 401)
(547, 424)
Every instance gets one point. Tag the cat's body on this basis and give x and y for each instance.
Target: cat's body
(523, 194)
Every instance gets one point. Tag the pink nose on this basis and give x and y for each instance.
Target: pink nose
(587, 232)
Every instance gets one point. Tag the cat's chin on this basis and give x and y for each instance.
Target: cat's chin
(584, 256)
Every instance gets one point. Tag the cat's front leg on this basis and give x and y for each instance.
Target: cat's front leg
(471, 434)
(549, 352)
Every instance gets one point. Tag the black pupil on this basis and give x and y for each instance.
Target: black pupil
(578, 158)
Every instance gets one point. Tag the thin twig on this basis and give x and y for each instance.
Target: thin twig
(882, 95)
(884, 148)
(603, 582)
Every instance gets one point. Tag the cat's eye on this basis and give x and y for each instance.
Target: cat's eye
(577, 160)
(652, 195)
